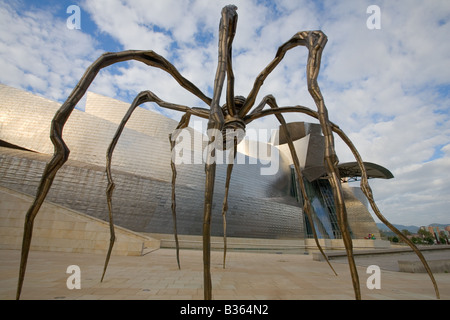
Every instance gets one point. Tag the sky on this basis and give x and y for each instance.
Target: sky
(388, 87)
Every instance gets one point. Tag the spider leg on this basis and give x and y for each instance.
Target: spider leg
(47, 178)
(315, 42)
(307, 208)
(225, 202)
(215, 125)
(61, 151)
(184, 122)
(231, 25)
(299, 39)
(142, 97)
(365, 187)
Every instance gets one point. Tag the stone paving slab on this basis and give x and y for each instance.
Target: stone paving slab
(255, 276)
(390, 260)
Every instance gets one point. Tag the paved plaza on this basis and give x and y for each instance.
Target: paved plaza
(248, 275)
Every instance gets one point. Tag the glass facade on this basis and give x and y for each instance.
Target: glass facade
(321, 197)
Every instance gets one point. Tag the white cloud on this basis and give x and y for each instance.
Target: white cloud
(40, 53)
(380, 86)
(419, 193)
(382, 90)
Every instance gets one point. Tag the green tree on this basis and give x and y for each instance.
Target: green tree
(443, 237)
(427, 236)
(425, 233)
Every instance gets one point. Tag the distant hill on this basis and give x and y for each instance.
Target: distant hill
(441, 226)
(412, 229)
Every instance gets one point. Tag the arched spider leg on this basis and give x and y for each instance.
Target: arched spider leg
(314, 41)
(307, 208)
(61, 151)
(364, 180)
(365, 187)
(142, 97)
(215, 123)
(184, 122)
(297, 40)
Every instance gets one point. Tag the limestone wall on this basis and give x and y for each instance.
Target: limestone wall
(60, 229)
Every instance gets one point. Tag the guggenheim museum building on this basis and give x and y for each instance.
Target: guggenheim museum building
(260, 205)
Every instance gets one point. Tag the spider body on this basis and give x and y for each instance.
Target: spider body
(233, 126)
(230, 121)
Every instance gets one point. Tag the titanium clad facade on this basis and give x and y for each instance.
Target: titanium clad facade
(143, 204)
(260, 206)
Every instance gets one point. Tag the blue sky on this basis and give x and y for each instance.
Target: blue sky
(387, 88)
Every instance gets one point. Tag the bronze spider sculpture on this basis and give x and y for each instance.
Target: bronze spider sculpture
(233, 116)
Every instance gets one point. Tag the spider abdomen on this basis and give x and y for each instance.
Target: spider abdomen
(234, 127)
